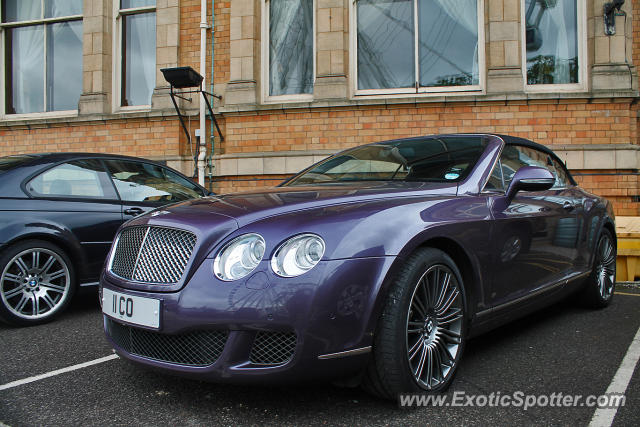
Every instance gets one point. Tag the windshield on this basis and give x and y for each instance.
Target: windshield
(10, 162)
(441, 159)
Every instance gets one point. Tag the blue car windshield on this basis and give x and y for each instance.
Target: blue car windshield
(434, 159)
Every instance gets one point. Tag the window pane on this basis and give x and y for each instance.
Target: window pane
(385, 44)
(57, 8)
(130, 4)
(139, 58)
(290, 47)
(25, 50)
(552, 42)
(21, 10)
(77, 179)
(144, 182)
(64, 65)
(448, 42)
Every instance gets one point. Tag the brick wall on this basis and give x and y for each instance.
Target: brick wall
(548, 123)
(152, 138)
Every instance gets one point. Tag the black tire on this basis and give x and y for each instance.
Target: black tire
(404, 331)
(599, 288)
(45, 282)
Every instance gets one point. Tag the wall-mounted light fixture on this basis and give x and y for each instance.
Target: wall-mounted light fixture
(610, 16)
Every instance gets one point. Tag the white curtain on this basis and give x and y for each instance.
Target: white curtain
(140, 57)
(465, 13)
(64, 65)
(27, 74)
(558, 30)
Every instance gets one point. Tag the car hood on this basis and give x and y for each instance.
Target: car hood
(248, 207)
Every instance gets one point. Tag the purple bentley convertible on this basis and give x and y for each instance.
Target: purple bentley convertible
(378, 263)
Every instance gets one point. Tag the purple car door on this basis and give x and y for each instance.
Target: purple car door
(535, 236)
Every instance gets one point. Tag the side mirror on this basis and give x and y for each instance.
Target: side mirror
(530, 178)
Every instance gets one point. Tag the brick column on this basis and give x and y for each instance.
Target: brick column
(167, 38)
(244, 40)
(612, 60)
(96, 58)
(332, 49)
(504, 59)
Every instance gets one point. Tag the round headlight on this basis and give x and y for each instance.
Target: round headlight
(239, 257)
(297, 255)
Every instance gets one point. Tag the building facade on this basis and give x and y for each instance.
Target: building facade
(300, 79)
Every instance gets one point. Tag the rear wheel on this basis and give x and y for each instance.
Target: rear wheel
(599, 288)
(421, 334)
(36, 282)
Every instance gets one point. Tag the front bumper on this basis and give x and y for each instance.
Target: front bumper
(303, 321)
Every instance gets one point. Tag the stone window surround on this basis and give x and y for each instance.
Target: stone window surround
(582, 37)
(116, 91)
(423, 91)
(264, 48)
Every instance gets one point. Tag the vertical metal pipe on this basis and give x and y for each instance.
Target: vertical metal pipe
(203, 64)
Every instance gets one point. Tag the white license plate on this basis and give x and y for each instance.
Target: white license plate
(132, 309)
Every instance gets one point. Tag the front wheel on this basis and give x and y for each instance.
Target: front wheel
(421, 335)
(36, 282)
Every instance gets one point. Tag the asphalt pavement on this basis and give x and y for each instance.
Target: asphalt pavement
(563, 349)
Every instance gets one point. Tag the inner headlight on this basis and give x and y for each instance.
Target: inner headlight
(297, 255)
(239, 257)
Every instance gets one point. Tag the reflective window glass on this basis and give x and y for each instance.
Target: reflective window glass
(290, 47)
(551, 41)
(145, 182)
(82, 178)
(138, 58)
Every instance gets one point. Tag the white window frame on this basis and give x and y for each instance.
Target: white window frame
(3, 69)
(264, 59)
(581, 86)
(116, 89)
(411, 91)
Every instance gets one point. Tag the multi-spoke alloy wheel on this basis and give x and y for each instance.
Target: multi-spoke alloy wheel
(605, 266)
(421, 334)
(35, 283)
(599, 287)
(434, 326)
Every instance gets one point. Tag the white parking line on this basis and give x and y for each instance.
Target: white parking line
(57, 372)
(604, 416)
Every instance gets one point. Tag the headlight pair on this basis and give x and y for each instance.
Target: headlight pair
(242, 255)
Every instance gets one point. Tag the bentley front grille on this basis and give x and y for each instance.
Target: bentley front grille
(152, 254)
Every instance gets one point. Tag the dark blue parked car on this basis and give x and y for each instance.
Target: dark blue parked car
(59, 214)
(379, 262)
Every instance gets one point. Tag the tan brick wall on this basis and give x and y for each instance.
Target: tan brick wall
(548, 123)
(152, 138)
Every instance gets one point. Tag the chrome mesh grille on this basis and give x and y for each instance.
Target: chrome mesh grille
(198, 348)
(273, 348)
(124, 257)
(152, 254)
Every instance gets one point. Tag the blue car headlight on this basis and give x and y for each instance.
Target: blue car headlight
(297, 255)
(239, 257)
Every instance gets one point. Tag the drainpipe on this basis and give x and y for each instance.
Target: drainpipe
(202, 154)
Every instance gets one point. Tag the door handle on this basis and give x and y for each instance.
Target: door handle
(568, 206)
(133, 211)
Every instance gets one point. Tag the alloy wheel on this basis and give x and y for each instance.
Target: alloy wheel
(434, 326)
(605, 266)
(35, 283)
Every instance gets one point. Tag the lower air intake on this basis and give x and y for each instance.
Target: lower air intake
(273, 348)
(197, 348)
